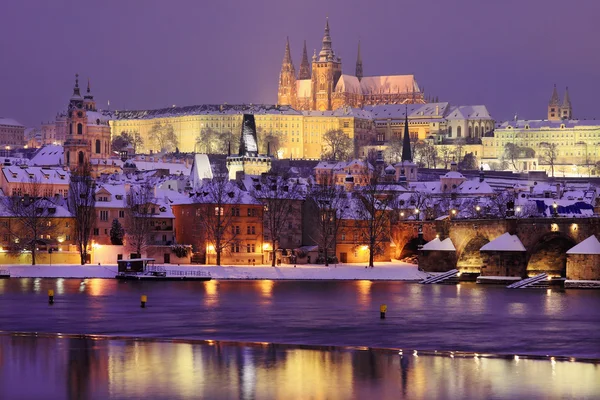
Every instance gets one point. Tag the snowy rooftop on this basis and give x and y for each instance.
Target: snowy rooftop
(590, 245)
(504, 242)
(415, 111)
(9, 122)
(49, 155)
(437, 245)
(454, 175)
(205, 109)
(542, 123)
(24, 174)
(468, 112)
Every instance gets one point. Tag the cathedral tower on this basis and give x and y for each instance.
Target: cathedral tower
(566, 110)
(554, 106)
(286, 94)
(304, 72)
(326, 71)
(88, 100)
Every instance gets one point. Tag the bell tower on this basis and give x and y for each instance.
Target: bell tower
(286, 95)
(326, 71)
(566, 110)
(76, 147)
(554, 106)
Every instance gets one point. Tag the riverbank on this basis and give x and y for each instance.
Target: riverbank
(384, 271)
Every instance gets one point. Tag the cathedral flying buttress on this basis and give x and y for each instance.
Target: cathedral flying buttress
(322, 86)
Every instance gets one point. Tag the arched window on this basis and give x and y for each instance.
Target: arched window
(79, 129)
(449, 131)
(458, 131)
(476, 131)
(68, 157)
(80, 158)
(70, 128)
(470, 129)
(98, 149)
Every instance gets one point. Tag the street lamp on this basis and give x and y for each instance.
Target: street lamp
(555, 209)
(478, 209)
(517, 211)
(453, 213)
(417, 213)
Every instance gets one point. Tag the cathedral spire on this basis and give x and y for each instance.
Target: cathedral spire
(554, 101)
(359, 69)
(304, 72)
(326, 52)
(406, 153)
(88, 88)
(287, 58)
(566, 99)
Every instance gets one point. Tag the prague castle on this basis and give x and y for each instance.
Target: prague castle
(324, 87)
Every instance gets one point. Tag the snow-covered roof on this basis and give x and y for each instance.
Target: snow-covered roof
(201, 169)
(475, 187)
(348, 84)
(49, 208)
(388, 84)
(415, 111)
(24, 174)
(468, 112)
(545, 124)
(454, 175)
(48, 155)
(205, 109)
(97, 118)
(9, 122)
(504, 242)
(437, 245)
(590, 245)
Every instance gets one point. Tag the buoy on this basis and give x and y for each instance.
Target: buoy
(143, 300)
(382, 311)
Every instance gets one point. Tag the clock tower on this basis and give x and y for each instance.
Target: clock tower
(76, 147)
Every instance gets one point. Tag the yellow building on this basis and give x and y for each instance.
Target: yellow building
(570, 144)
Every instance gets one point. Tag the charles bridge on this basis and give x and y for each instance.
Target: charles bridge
(546, 241)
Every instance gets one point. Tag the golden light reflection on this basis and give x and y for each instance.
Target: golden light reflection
(364, 292)
(211, 298)
(97, 287)
(266, 288)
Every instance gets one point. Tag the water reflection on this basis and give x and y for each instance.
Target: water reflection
(80, 367)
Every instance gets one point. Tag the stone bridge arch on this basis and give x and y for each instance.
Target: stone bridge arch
(549, 254)
(469, 258)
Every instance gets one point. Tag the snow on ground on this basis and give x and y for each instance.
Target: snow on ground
(396, 271)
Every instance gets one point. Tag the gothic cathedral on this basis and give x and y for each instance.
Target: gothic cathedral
(324, 86)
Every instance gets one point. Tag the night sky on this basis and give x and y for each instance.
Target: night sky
(150, 54)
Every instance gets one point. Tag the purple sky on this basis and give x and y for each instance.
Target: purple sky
(149, 54)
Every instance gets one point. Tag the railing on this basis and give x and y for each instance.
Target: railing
(440, 278)
(4, 272)
(522, 284)
(175, 272)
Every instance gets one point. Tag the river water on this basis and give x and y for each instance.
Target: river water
(466, 318)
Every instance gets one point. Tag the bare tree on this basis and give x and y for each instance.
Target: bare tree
(499, 203)
(32, 218)
(121, 141)
(338, 146)
(138, 215)
(218, 200)
(330, 202)
(549, 154)
(278, 195)
(372, 207)
(446, 155)
(394, 149)
(163, 137)
(82, 203)
(207, 141)
(269, 140)
(459, 145)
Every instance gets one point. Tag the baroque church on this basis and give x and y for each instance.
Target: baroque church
(87, 137)
(324, 87)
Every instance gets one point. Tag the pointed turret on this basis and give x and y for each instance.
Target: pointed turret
(326, 52)
(359, 67)
(566, 110)
(88, 99)
(287, 79)
(406, 153)
(76, 92)
(554, 100)
(554, 111)
(304, 72)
